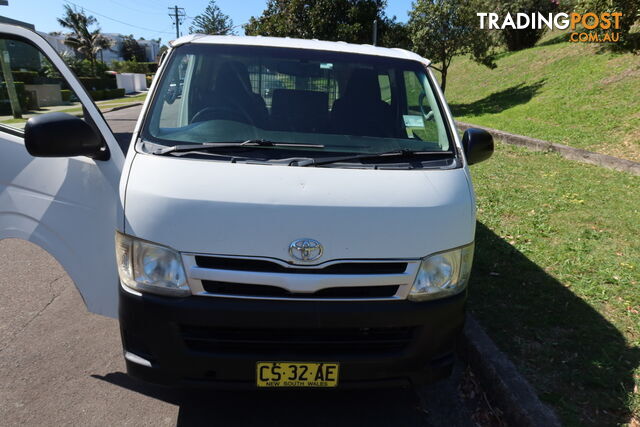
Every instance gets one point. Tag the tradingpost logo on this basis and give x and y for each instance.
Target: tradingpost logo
(598, 28)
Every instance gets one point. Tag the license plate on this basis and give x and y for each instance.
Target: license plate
(297, 374)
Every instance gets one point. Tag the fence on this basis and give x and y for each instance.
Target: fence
(264, 82)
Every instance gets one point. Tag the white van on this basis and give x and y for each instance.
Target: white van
(289, 213)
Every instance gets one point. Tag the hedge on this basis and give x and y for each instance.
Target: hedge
(34, 78)
(115, 93)
(97, 95)
(26, 77)
(66, 95)
(102, 94)
(134, 67)
(152, 67)
(23, 97)
(99, 83)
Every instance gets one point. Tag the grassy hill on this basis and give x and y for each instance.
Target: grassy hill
(556, 278)
(569, 93)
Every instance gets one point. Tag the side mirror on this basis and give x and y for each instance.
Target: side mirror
(62, 135)
(172, 93)
(477, 145)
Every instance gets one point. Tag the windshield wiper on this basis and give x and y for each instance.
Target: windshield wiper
(385, 154)
(249, 143)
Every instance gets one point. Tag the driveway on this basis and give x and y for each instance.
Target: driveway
(62, 365)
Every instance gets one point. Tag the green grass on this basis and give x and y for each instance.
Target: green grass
(13, 121)
(124, 100)
(102, 105)
(569, 93)
(556, 279)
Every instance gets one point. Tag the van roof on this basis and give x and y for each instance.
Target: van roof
(365, 49)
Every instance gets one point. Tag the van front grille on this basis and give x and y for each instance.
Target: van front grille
(270, 278)
(264, 266)
(297, 341)
(243, 289)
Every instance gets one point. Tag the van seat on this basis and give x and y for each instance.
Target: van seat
(299, 110)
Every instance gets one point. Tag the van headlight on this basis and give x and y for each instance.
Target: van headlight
(147, 267)
(442, 274)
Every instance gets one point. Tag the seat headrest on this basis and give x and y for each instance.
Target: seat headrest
(299, 101)
(233, 78)
(363, 84)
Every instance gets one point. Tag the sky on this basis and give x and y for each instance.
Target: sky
(147, 18)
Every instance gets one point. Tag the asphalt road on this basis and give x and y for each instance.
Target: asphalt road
(61, 365)
(122, 123)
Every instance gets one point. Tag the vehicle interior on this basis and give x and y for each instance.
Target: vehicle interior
(208, 96)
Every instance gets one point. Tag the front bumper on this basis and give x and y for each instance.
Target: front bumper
(216, 342)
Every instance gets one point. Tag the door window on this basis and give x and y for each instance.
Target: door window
(422, 118)
(30, 85)
(385, 88)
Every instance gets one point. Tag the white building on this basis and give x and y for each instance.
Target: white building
(57, 41)
(151, 47)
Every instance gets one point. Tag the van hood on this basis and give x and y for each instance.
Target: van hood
(221, 208)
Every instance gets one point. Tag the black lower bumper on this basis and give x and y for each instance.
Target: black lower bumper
(216, 342)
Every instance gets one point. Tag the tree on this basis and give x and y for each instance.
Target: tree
(130, 50)
(630, 9)
(346, 20)
(85, 42)
(394, 34)
(442, 29)
(212, 21)
(524, 38)
(162, 50)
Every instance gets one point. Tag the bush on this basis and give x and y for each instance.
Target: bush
(130, 49)
(26, 77)
(630, 9)
(97, 95)
(518, 39)
(82, 67)
(90, 83)
(23, 97)
(66, 95)
(97, 83)
(152, 67)
(102, 94)
(33, 77)
(134, 67)
(113, 93)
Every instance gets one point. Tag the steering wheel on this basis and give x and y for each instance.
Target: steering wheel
(221, 113)
(427, 116)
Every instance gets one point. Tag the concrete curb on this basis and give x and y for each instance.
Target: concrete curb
(121, 107)
(501, 380)
(565, 151)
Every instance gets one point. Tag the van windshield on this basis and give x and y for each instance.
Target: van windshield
(327, 102)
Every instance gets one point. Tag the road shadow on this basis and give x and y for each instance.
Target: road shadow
(124, 139)
(499, 101)
(284, 408)
(575, 358)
